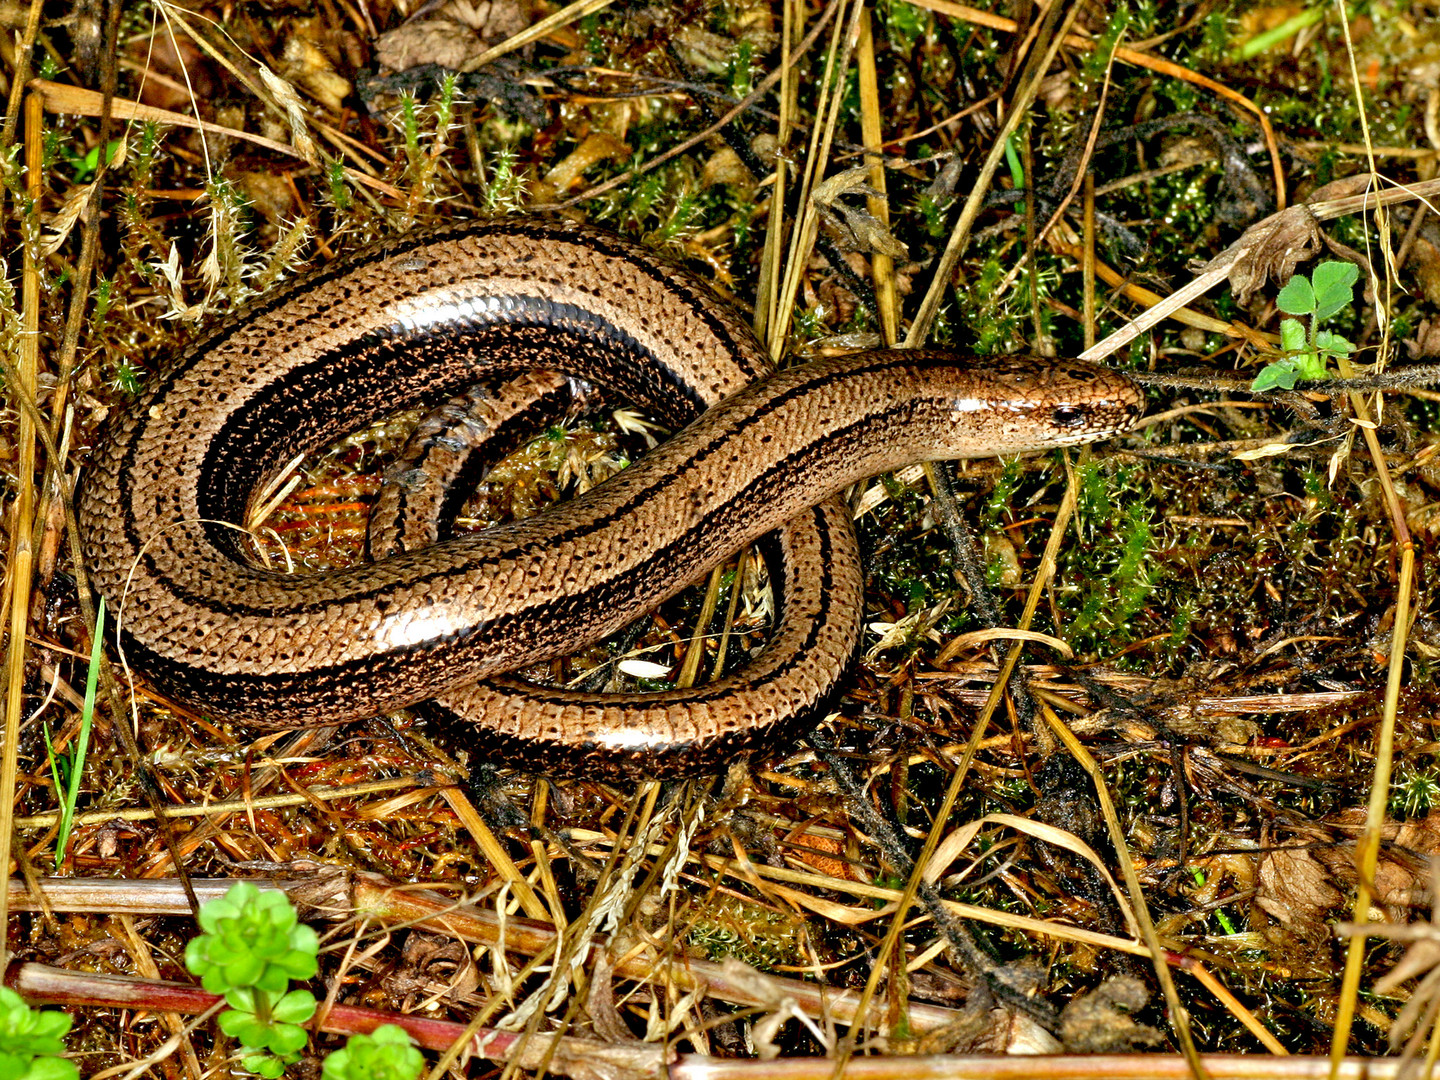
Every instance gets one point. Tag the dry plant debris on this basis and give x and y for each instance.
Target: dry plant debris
(1243, 652)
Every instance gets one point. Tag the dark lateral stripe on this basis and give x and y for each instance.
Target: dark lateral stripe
(663, 700)
(322, 689)
(519, 623)
(675, 280)
(388, 369)
(237, 466)
(788, 465)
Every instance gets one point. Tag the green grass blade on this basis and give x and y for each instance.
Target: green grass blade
(82, 742)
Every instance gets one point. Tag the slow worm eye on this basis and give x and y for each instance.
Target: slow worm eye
(1068, 416)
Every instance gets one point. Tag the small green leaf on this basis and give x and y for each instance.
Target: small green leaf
(196, 961)
(28, 1036)
(385, 1054)
(1279, 375)
(1333, 286)
(392, 1033)
(286, 1039)
(1297, 297)
(272, 1068)
(272, 979)
(295, 1007)
(243, 998)
(52, 1068)
(14, 1066)
(1333, 344)
(48, 1030)
(243, 1028)
(244, 970)
(1292, 335)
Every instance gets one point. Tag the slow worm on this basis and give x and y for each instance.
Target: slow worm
(414, 320)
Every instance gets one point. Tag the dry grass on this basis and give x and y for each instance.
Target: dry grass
(1244, 584)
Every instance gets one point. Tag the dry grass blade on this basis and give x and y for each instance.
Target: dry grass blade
(497, 855)
(570, 13)
(817, 158)
(1367, 853)
(24, 48)
(1139, 59)
(18, 580)
(695, 645)
(1179, 1016)
(958, 644)
(882, 265)
(1026, 89)
(768, 325)
(1214, 588)
(1048, 1067)
(949, 849)
(235, 806)
(77, 101)
(1223, 265)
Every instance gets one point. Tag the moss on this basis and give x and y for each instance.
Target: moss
(1111, 572)
(1415, 788)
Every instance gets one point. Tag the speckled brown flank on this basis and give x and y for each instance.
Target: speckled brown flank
(277, 650)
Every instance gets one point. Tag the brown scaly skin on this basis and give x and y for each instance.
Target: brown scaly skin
(414, 320)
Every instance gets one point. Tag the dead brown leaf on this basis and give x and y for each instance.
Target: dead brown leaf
(1426, 341)
(306, 64)
(1102, 1021)
(429, 41)
(1298, 892)
(1278, 244)
(455, 32)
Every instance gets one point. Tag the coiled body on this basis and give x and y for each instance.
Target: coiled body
(411, 322)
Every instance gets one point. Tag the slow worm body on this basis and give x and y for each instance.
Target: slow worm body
(413, 321)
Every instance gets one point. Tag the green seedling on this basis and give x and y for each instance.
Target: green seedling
(387, 1053)
(1308, 349)
(31, 1041)
(253, 945)
(84, 166)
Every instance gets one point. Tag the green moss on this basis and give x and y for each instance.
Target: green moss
(994, 321)
(1000, 500)
(904, 24)
(51, 148)
(809, 324)
(1183, 97)
(754, 933)
(503, 191)
(410, 127)
(1096, 60)
(339, 189)
(682, 213)
(1111, 573)
(933, 213)
(1181, 623)
(1414, 789)
(740, 70)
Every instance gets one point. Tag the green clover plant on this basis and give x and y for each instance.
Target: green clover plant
(1308, 349)
(31, 1041)
(253, 945)
(387, 1053)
